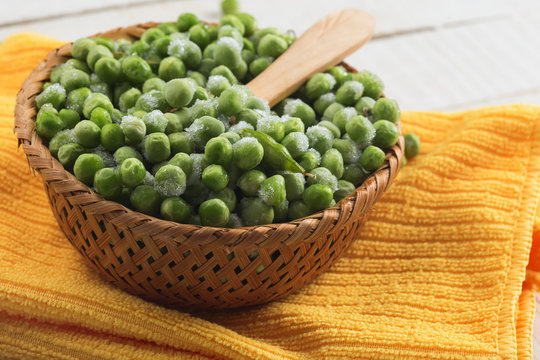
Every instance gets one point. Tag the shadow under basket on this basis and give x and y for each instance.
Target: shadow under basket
(186, 265)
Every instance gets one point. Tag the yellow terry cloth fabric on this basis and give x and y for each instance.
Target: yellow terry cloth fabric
(439, 271)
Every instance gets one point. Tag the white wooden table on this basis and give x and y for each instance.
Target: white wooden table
(432, 55)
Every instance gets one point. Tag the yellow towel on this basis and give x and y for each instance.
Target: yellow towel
(439, 271)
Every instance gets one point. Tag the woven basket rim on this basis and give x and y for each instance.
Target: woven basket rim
(40, 160)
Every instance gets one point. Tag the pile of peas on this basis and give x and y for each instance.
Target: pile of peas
(165, 125)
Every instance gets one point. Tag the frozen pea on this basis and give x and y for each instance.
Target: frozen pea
(249, 22)
(294, 185)
(218, 150)
(250, 182)
(214, 212)
(152, 34)
(155, 121)
(183, 161)
(179, 92)
(161, 45)
(86, 166)
(320, 138)
(361, 130)
(318, 85)
(333, 161)
(187, 51)
(206, 66)
(146, 199)
(156, 167)
(310, 159)
(76, 98)
(215, 177)
(134, 128)
(349, 93)
(170, 180)
(298, 210)
(248, 153)
(331, 111)
(332, 127)
(348, 149)
(153, 83)
(152, 100)
(339, 73)
(258, 65)
(108, 159)
(272, 190)
(228, 52)
(170, 68)
(281, 211)
(175, 209)
(248, 56)
(174, 123)
(231, 101)
(48, 124)
(116, 116)
(132, 172)
(342, 117)
(254, 211)
(296, 143)
(126, 152)
(232, 21)
(318, 196)
(54, 94)
(156, 147)
(373, 85)
(167, 28)
(353, 174)
(96, 100)
(205, 128)
(364, 106)
(240, 71)
(322, 103)
(56, 74)
(180, 142)
(248, 115)
(109, 70)
(199, 35)
(225, 72)
(97, 52)
(88, 133)
(217, 84)
(100, 117)
(293, 124)
(200, 94)
(273, 126)
(232, 137)
(112, 137)
(386, 134)
(345, 188)
(74, 79)
(108, 183)
(68, 153)
(208, 52)
(136, 69)
(185, 21)
(226, 195)
(108, 43)
(185, 118)
(386, 109)
(81, 47)
(322, 175)
(230, 6)
(271, 45)
(372, 158)
(61, 138)
(412, 145)
(256, 103)
(298, 108)
(239, 126)
(128, 99)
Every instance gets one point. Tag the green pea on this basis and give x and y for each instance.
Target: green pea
(331, 111)
(361, 130)
(260, 33)
(271, 45)
(226, 195)
(108, 43)
(205, 128)
(170, 180)
(185, 118)
(294, 185)
(54, 94)
(183, 161)
(232, 21)
(81, 47)
(386, 109)
(228, 52)
(232, 137)
(109, 70)
(97, 52)
(146, 199)
(108, 183)
(281, 211)
(76, 98)
(344, 189)
(70, 118)
(136, 69)
(218, 150)
(373, 85)
(180, 142)
(272, 190)
(250, 182)
(214, 212)
(134, 129)
(339, 73)
(254, 211)
(171, 68)
(161, 45)
(179, 92)
(231, 101)
(48, 124)
(322, 175)
(272, 126)
(342, 117)
(88, 133)
(333, 161)
(97, 100)
(112, 137)
(322, 103)
(68, 153)
(86, 166)
(298, 210)
(230, 6)
(310, 159)
(320, 138)
(386, 134)
(124, 45)
(249, 22)
(74, 79)
(132, 172)
(100, 117)
(412, 145)
(156, 147)
(128, 99)
(225, 72)
(176, 209)
(206, 66)
(174, 123)
(296, 143)
(126, 152)
(116, 116)
(332, 127)
(372, 158)
(200, 94)
(155, 121)
(152, 34)
(152, 100)
(293, 124)
(185, 21)
(349, 93)
(215, 177)
(258, 65)
(154, 83)
(61, 138)
(298, 108)
(353, 174)
(318, 196)
(249, 116)
(187, 51)
(318, 85)
(167, 28)
(348, 149)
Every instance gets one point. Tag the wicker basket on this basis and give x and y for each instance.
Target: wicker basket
(187, 265)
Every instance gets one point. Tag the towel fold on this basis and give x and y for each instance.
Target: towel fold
(438, 272)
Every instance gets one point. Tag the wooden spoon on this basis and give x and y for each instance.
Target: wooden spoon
(322, 46)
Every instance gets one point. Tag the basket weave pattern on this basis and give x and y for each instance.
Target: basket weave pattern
(188, 265)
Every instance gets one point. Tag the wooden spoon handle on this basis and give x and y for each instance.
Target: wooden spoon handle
(322, 46)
